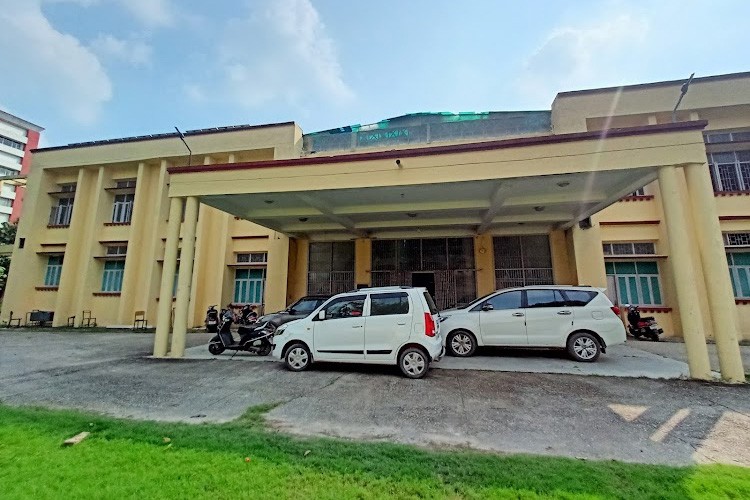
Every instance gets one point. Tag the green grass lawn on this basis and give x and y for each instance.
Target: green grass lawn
(124, 458)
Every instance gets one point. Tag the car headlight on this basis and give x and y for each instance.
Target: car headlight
(280, 330)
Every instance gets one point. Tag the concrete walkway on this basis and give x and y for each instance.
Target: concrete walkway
(620, 361)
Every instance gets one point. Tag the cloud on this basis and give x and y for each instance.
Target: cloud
(50, 63)
(134, 52)
(578, 56)
(151, 12)
(278, 53)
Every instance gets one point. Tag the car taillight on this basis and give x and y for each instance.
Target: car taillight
(429, 325)
(616, 310)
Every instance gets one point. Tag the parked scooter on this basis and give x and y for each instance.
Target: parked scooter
(642, 326)
(255, 339)
(247, 316)
(212, 319)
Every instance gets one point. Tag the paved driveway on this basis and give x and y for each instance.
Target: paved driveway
(632, 419)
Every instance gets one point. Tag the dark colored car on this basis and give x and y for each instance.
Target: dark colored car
(300, 309)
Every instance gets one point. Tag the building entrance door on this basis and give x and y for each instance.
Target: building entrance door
(445, 266)
(426, 280)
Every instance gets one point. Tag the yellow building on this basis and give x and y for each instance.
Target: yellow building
(462, 204)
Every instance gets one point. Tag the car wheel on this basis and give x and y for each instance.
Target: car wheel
(413, 363)
(583, 346)
(461, 344)
(215, 349)
(297, 357)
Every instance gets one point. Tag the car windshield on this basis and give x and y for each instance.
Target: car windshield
(305, 306)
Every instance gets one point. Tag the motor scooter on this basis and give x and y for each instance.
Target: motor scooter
(212, 319)
(642, 326)
(255, 339)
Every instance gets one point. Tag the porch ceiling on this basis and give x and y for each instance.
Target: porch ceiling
(518, 205)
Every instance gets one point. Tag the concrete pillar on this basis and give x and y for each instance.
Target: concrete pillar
(164, 314)
(562, 271)
(362, 261)
(589, 255)
(684, 275)
(484, 262)
(715, 270)
(299, 252)
(185, 277)
(276, 272)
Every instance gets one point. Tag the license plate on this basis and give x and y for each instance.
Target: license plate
(212, 322)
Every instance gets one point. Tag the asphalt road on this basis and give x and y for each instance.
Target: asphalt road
(631, 419)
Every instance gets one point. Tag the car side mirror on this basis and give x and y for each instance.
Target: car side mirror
(291, 310)
(322, 315)
(487, 307)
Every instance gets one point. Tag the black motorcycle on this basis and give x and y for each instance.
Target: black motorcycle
(212, 319)
(642, 326)
(254, 339)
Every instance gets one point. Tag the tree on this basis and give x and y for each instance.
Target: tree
(8, 233)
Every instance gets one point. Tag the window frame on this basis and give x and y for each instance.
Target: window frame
(53, 271)
(122, 210)
(247, 286)
(638, 276)
(401, 295)
(112, 276)
(62, 213)
(739, 168)
(337, 300)
(736, 271)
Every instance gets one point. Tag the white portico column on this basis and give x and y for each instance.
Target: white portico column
(184, 278)
(684, 274)
(164, 312)
(716, 271)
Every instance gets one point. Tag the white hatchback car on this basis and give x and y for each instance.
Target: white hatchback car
(577, 318)
(389, 325)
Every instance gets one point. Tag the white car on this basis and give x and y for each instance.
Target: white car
(388, 325)
(577, 318)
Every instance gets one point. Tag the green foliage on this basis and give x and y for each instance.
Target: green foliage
(8, 233)
(125, 458)
(4, 270)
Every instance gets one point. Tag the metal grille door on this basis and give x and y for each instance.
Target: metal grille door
(449, 260)
(330, 268)
(522, 260)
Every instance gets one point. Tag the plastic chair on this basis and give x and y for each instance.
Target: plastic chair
(87, 320)
(139, 320)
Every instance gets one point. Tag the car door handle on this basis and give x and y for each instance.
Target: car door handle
(400, 324)
(518, 315)
(564, 313)
(357, 326)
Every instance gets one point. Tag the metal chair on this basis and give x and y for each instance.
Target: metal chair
(72, 321)
(87, 320)
(140, 319)
(12, 320)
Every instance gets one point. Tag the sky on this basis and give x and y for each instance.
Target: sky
(99, 69)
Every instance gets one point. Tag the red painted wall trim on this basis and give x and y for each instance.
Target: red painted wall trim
(644, 197)
(734, 217)
(259, 237)
(731, 193)
(453, 148)
(32, 141)
(629, 223)
(742, 301)
(654, 309)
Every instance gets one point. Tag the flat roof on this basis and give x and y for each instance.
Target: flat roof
(668, 83)
(19, 122)
(168, 135)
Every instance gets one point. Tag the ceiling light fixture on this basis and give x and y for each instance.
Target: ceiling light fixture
(303, 219)
(268, 201)
(563, 184)
(539, 208)
(411, 214)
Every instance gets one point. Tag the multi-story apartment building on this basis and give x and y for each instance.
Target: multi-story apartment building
(17, 138)
(460, 203)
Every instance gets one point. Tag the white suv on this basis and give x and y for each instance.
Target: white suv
(389, 325)
(578, 318)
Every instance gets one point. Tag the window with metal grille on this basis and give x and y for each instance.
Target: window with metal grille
(54, 270)
(635, 282)
(639, 192)
(522, 260)
(61, 213)
(125, 183)
(249, 285)
(330, 267)
(252, 258)
(739, 270)
(449, 261)
(117, 250)
(736, 239)
(730, 171)
(630, 248)
(112, 276)
(68, 188)
(11, 143)
(735, 136)
(122, 210)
